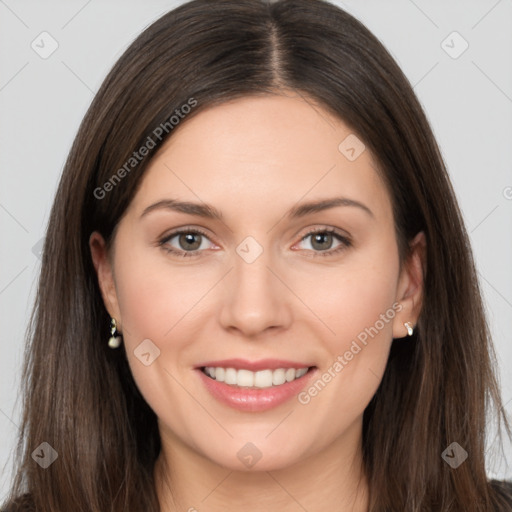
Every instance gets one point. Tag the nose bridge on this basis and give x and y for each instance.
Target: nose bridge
(255, 299)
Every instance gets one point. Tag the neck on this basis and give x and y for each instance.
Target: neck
(330, 480)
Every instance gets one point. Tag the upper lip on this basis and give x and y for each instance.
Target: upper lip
(262, 364)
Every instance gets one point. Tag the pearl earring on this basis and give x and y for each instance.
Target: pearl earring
(114, 341)
(409, 328)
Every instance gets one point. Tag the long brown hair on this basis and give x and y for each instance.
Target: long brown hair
(80, 397)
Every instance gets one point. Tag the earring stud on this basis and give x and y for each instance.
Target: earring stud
(115, 340)
(409, 327)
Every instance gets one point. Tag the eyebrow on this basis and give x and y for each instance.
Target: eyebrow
(210, 212)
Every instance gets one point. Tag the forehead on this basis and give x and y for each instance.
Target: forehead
(263, 153)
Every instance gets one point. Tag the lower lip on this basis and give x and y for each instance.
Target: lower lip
(255, 400)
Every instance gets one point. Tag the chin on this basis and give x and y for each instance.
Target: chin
(254, 456)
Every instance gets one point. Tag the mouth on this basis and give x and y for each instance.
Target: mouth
(261, 379)
(254, 386)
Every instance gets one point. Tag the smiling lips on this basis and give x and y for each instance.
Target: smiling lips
(254, 386)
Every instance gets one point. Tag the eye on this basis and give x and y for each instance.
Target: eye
(190, 242)
(322, 240)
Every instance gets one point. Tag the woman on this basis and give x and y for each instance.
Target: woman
(257, 289)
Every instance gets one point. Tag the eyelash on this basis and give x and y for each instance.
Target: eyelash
(345, 242)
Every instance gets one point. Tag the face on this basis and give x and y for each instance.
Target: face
(265, 287)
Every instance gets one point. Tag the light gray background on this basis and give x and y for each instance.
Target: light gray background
(468, 101)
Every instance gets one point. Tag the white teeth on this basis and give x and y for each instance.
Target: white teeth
(243, 378)
(301, 372)
(230, 377)
(220, 374)
(278, 377)
(290, 374)
(263, 379)
(259, 379)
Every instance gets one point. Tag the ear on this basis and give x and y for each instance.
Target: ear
(105, 273)
(410, 286)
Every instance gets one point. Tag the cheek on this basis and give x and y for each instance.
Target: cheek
(161, 303)
(350, 298)
(154, 296)
(358, 304)
(157, 304)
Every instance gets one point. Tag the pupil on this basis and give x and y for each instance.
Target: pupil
(188, 241)
(321, 237)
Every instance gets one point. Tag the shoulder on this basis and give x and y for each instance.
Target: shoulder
(503, 490)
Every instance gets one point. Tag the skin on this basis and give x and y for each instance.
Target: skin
(254, 159)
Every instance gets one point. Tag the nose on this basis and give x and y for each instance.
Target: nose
(255, 297)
